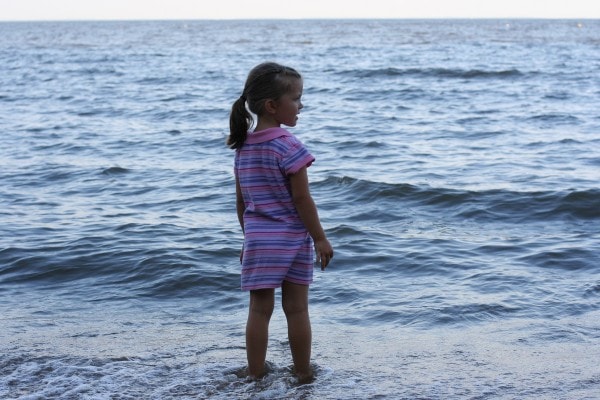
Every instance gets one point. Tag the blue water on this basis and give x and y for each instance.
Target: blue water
(457, 176)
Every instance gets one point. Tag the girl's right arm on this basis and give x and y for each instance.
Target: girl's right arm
(239, 202)
(307, 210)
(240, 208)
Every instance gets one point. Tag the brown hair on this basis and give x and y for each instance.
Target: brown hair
(266, 81)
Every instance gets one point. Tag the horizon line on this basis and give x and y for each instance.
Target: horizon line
(300, 19)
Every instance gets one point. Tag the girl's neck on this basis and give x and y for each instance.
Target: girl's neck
(266, 123)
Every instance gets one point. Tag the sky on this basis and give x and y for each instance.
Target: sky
(34, 10)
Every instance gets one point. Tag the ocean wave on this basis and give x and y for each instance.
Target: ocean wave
(498, 205)
(115, 171)
(404, 314)
(451, 73)
(567, 258)
(592, 291)
(28, 375)
(132, 265)
(555, 118)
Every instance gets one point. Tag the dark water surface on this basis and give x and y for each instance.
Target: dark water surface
(457, 175)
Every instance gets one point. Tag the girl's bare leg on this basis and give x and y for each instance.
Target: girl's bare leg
(294, 299)
(257, 330)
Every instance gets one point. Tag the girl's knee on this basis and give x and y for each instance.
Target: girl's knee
(262, 301)
(261, 309)
(290, 308)
(294, 305)
(294, 298)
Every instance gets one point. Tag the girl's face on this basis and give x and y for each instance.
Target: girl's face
(290, 104)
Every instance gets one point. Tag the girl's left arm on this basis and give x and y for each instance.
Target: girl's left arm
(307, 210)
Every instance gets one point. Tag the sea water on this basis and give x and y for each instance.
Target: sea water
(457, 175)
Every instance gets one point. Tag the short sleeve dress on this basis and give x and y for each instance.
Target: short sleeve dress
(277, 246)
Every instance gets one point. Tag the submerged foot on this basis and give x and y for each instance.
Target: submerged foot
(304, 376)
(258, 375)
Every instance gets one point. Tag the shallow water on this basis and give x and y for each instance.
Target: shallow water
(456, 175)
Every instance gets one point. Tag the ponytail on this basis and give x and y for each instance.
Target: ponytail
(240, 121)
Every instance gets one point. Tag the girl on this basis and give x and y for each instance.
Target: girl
(276, 212)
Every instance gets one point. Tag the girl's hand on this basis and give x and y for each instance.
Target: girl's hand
(324, 252)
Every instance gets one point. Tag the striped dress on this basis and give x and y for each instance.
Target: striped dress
(277, 246)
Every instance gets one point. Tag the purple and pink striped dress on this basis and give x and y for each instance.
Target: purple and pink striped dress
(277, 246)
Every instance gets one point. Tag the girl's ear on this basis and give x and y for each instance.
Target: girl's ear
(270, 106)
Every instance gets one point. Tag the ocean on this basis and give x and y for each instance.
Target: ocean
(457, 176)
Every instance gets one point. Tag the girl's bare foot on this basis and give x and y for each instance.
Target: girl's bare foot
(306, 377)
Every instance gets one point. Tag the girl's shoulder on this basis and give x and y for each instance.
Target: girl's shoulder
(267, 135)
(277, 139)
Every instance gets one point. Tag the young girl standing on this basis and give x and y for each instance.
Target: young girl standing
(276, 212)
